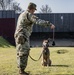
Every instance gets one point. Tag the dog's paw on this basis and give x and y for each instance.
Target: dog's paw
(50, 62)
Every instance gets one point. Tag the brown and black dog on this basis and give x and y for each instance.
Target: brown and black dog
(46, 54)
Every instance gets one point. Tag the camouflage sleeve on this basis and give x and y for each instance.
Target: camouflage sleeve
(38, 21)
(43, 22)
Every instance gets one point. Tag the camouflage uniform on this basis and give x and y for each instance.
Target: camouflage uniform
(23, 31)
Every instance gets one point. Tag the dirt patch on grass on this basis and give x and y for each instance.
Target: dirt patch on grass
(62, 51)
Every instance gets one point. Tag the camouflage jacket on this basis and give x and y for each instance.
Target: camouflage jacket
(25, 24)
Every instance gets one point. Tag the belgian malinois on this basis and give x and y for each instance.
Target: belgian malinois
(46, 54)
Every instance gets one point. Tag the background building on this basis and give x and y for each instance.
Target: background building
(64, 23)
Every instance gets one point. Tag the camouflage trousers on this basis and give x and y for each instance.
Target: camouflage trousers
(23, 48)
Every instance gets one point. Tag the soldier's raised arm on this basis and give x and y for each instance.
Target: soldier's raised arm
(41, 22)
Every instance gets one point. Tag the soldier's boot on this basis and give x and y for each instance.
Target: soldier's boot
(22, 72)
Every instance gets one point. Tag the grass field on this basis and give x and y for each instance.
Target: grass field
(62, 64)
(62, 60)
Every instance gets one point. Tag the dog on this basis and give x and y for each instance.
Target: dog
(46, 54)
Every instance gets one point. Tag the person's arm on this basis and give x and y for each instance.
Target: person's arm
(41, 22)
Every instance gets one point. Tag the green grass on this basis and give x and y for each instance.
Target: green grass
(4, 43)
(62, 64)
(62, 60)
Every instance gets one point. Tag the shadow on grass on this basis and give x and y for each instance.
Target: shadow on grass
(48, 72)
(59, 65)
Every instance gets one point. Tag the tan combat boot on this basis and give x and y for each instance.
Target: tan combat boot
(22, 72)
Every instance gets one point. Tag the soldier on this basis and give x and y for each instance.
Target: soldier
(23, 32)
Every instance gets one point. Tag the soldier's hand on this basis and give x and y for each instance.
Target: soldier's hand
(52, 26)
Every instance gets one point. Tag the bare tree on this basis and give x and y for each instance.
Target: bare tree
(15, 6)
(10, 5)
(45, 9)
(2, 5)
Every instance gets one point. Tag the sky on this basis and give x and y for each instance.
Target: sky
(57, 6)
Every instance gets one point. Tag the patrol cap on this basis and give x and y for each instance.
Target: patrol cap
(32, 6)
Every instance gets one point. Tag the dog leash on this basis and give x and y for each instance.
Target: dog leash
(53, 43)
(53, 34)
(35, 59)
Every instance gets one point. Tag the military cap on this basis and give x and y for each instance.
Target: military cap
(32, 6)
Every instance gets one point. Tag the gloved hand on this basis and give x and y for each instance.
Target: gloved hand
(52, 26)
